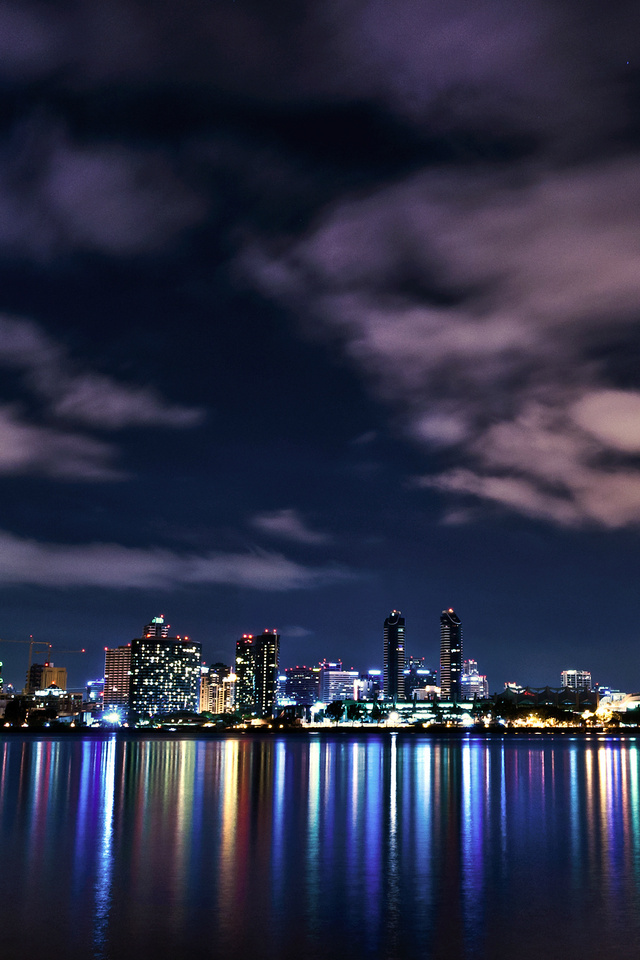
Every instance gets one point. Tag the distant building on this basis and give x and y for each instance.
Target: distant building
(473, 684)
(576, 679)
(420, 683)
(257, 673)
(117, 670)
(34, 678)
(450, 656)
(369, 685)
(302, 685)
(165, 672)
(221, 684)
(337, 683)
(205, 697)
(95, 692)
(43, 675)
(394, 657)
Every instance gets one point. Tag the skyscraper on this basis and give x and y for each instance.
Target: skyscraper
(165, 672)
(450, 656)
(336, 683)
(473, 684)
(302, 684)
(394, 657)
(257, 673)
(117, 668)
(576, 679)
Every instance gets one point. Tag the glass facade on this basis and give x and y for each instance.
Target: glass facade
(165, 675)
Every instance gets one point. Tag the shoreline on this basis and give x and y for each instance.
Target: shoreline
(352, 733)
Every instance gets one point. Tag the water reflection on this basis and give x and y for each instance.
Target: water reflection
(311, 847)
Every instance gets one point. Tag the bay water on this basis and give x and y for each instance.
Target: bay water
(312, 846)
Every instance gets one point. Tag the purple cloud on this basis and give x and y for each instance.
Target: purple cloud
(541, 272)
(80, 396)
(111, 565)
(288, 524)
(29, 449)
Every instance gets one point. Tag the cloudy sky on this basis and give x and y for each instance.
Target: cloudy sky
(311, 310)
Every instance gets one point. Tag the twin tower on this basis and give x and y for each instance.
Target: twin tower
(450, 656)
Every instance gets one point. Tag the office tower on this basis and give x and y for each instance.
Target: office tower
(205, 698)
(302, 685)
(221, 681)
(337, 683)
(53, 676)
(257, 673)
(157, 628)
(34, 678)
(165, 672)
(117, 670)
(394, 657)
(95, 692)
(576, 679)
(450, 656)
(419, 681)
(473, 684)
(369, 685)
(43, 675)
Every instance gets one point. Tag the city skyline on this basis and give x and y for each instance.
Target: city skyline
(452, 669)
(313, 311)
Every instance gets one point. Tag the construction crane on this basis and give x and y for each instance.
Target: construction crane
(37, 643)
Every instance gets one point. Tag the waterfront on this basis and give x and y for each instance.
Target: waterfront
(313, 846)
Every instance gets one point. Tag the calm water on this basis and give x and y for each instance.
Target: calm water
(320, 848)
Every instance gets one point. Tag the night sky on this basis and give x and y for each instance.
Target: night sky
(314, 310)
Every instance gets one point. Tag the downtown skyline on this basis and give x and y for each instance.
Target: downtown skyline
(318, 311)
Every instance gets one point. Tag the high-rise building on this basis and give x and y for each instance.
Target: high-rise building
(165, 672)
(419, 681)
(473, 684)
(117, 670)
(43, 675)
(257, 673)
(576, 679)
(222, 684)
(34, 678)
(370, 685)
(53, 676)
(157, 628)
(302, 685)
(337, 683)
(450, 656)
(394, 657)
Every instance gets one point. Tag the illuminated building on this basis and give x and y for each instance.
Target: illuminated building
(473, 684)
(257, 673)
(205, 698)
(165, 672)
(220, 682)
(43, 675)
(95, 691)
(53, 676)
(394, 657)
(302, 685)
(370, 685)
(450, 656)
(420, 683)
(117, 669)
(336, 683)
(576, 679)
